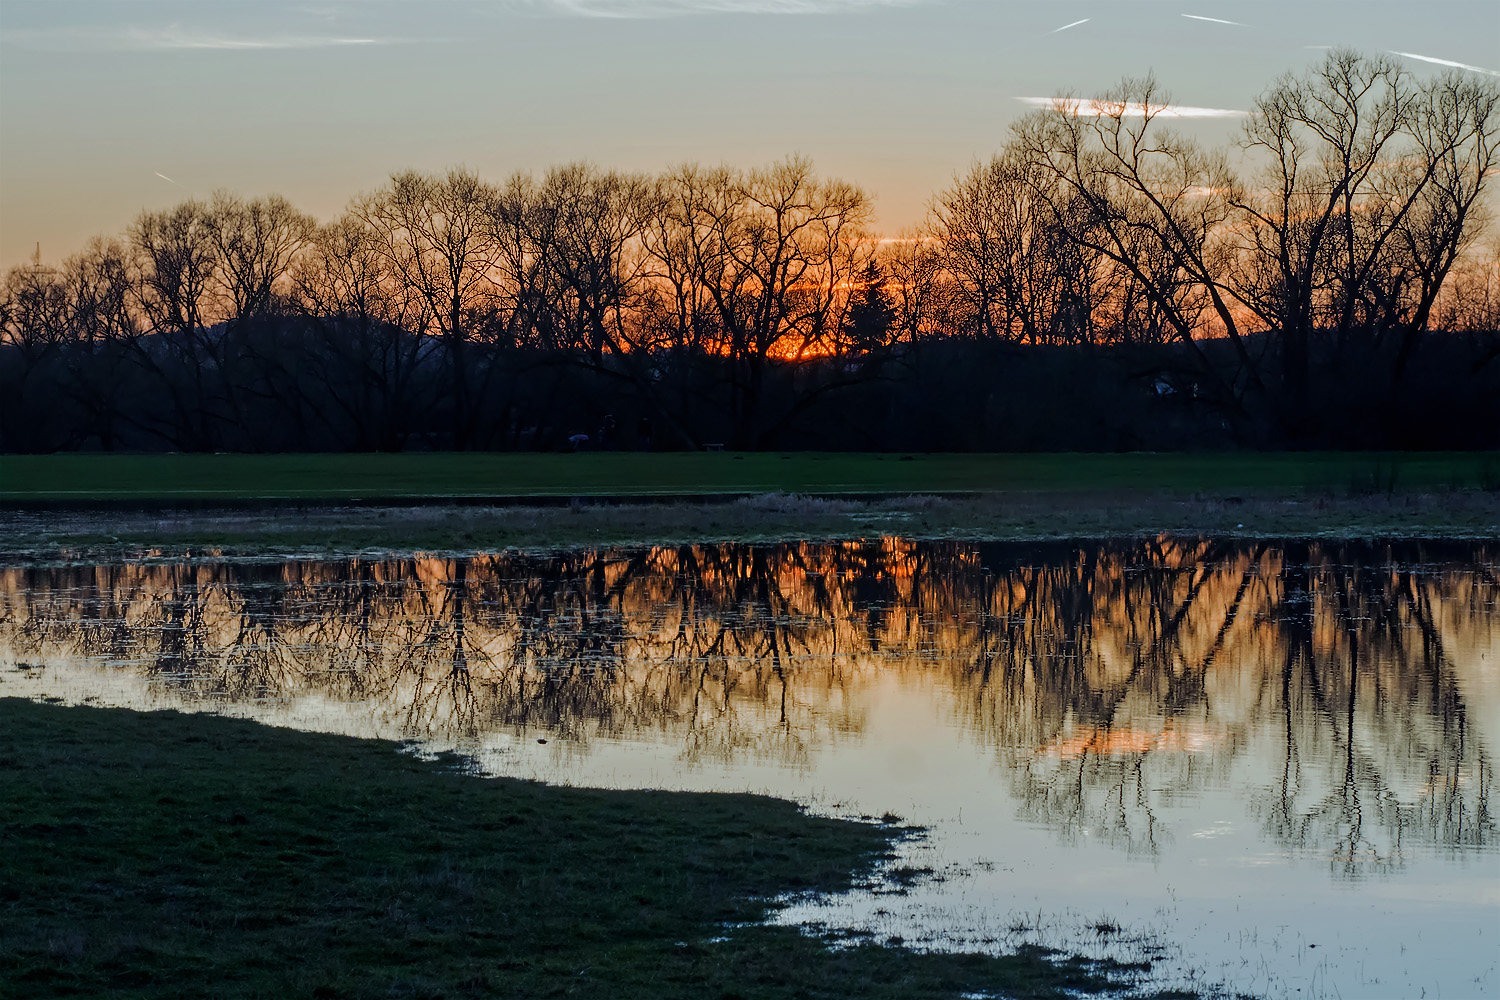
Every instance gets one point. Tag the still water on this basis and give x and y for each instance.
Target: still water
(1265, 766)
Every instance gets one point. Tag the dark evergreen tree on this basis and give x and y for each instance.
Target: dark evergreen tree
(871, 316)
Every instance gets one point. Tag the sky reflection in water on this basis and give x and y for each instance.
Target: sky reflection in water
(1268, 765)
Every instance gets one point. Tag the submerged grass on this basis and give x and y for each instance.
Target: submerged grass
(158, 854)
(324, 531)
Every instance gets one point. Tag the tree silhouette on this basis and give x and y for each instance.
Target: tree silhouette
(1102, 281)
(871, 317)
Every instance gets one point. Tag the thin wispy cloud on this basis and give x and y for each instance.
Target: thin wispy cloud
(1445, 62)
(679, 8)
(1067, 26)
(1214, 20)
(1089, 108)
(164, 177)
(176, 37)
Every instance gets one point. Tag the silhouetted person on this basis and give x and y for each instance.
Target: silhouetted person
(643, 434)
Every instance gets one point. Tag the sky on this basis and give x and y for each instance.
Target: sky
(111, 108)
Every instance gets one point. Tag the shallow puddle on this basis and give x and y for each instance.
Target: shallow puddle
(1264, 766)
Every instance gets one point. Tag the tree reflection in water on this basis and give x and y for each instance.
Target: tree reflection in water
(1111, 680)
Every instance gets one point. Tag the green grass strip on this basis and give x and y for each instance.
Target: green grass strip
(154, 855)
(151, 478)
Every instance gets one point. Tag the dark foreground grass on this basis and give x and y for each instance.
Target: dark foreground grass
(115, 477)
(169, 855)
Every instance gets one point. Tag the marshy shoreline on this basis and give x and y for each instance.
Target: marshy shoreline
(155, 854)
(298, 529)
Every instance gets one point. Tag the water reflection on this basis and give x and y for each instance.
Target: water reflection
(1333, 685)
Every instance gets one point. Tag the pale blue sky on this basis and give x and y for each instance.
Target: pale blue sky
(319, 101)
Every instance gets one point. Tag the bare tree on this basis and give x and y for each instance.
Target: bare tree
(35, 327)
(771, 254)
(1456, 126)
(437, 237)
(368, 354)
(36, 314)
(1123, 185)
(587, 225)
(913, 261)
(255, 242)
(522, 231)
(175, 256)
(1366, 196)
(1470, 299)
(1009, 255)
(975, 254)
(105, 327)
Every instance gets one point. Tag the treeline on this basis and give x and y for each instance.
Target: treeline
(1102, 282)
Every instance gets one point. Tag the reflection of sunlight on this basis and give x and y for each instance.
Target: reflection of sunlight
(1112, 742)
(1219, 829)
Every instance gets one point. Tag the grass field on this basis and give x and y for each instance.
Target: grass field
(155, 855)
(347, 477)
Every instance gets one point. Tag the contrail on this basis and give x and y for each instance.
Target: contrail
(1090, 108)
(1446, 62)
(1215, 20)
(177, 37)
(1067, 26)
(163, 177)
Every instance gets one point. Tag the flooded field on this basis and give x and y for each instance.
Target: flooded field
(1265, 767)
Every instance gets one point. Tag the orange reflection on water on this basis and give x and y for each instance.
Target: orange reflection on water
(1108, 742)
